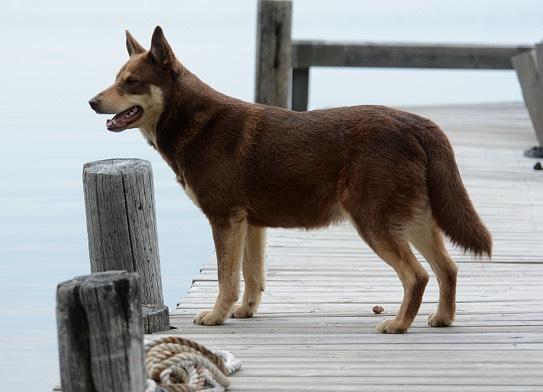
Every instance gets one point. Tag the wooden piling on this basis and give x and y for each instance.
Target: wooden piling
(121, 227)
(529, 68)
(100, 333)
(300, 89)
(273, 52)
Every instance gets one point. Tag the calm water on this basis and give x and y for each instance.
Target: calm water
(57, 54)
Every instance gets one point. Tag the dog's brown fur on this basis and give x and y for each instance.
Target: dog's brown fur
(250, 166)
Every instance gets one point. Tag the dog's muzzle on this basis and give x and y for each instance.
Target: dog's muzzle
(94, 104)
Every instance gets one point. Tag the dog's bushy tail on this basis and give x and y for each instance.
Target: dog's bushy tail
(451, 206)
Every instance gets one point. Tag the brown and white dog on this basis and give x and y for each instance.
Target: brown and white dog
(250, 166)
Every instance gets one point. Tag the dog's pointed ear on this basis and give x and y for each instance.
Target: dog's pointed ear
(132, 45)
(161, 50)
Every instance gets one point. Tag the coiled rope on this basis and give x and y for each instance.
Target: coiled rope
(176, 364)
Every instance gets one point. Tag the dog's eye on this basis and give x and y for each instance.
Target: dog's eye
(132, 81)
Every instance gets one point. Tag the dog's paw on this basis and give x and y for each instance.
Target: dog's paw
(242, 311)
(207, 317)
(391, 326)
(439, 320)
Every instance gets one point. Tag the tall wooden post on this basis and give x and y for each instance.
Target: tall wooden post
(300, 89)
(121, 227)
(100, 333)
(273, 52)
(529, 68)
(121, 224)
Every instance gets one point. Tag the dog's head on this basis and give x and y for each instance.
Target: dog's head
(137, 95)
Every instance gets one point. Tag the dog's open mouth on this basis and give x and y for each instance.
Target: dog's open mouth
(122, 120)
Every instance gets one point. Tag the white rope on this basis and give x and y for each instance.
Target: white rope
(176, 364)
(231, 363)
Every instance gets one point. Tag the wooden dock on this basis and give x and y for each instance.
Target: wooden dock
(315, 330)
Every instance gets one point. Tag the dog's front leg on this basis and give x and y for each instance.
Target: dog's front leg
(253, 272)
(229, 236)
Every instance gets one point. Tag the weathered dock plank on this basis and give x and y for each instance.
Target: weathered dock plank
(315, 330)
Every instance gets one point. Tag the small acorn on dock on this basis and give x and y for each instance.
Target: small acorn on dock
(378, 309)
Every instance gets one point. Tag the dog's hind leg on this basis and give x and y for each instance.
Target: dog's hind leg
(382, 189)
(428, 240)
(229, 236)
(253, 272)
(396, 252)
(414, 279)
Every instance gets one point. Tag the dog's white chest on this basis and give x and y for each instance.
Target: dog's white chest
(190, 193)
(188, 190)
(148, 136)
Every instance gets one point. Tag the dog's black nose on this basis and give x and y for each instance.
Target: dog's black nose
(94, 102)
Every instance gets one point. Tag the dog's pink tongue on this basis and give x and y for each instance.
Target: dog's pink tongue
(110, 122)
(122, 119)
(114, 124)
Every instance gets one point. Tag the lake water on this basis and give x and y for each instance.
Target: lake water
(57, 54)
